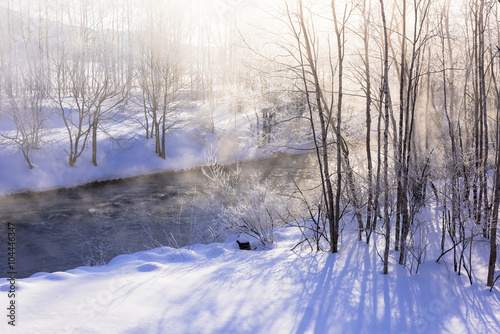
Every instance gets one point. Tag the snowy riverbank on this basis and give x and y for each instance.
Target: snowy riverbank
(133, 155)
(220, 289)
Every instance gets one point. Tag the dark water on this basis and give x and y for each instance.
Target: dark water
(54, 229)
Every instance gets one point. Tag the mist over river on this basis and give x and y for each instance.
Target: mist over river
(54, 228)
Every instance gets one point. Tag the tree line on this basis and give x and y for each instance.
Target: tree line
(426, 73)
(398, 99)
(84, 60)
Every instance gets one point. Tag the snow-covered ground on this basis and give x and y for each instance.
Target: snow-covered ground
(134, 155)
(218, 288)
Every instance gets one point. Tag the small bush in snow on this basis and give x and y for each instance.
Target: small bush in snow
(253, 209)
(94, 250)
(256, 212)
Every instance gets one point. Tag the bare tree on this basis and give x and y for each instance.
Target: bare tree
(160, 73)
(26, 112)
(24, 106)
(73, 75)
(490, 280)
(366, 85)
(106, 90)
(307, 59)
(385, 80)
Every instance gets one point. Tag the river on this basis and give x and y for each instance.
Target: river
(54, 229)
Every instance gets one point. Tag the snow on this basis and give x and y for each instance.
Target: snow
(134, 155)
(218, 288)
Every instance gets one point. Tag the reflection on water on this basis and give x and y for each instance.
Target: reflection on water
(54, 228)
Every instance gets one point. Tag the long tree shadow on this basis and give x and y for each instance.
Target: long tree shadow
(320, 293)
(329, 294)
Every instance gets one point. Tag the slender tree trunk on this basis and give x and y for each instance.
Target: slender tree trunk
(324, 115)
(493, 229)
(386, 142)
(496, 196)
(340, 52)
(94, 143)
(484, 116)
(369, 205)
(399, 153)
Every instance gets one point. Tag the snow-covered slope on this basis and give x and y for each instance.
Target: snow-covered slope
(133, 155)
(220, 289)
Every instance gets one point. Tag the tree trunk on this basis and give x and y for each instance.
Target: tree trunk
(94, 143)
(369, 204)
(323, 160)
(399, 154)
(386, 143)
(340, 54)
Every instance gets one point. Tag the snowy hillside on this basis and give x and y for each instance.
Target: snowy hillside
(131, 155)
